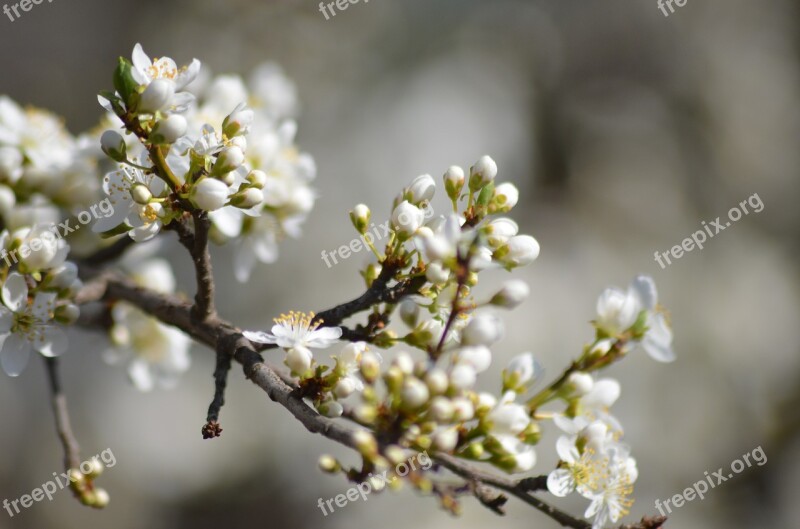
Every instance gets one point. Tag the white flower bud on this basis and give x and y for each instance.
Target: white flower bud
(437, 274)
(477, 356)
(248, 198)
(454, 181)
(168, 130)
(238, 121)
(409, 312)
(407, 218)
(8, 199)
(486, 401)
(482, 173)
(63, 276)
(365, 442)
(482, 329)
(514, 292)
(239, 141)
(331, 408)
(441, 409)
(506, 196)
(404, 363)
(522, 250)
(113, 144)
(101, 498)
(463, 410)
(344, 388)
(414, 393)
(157, 96)
(445, 439)
(11, 160)
(370, 366)
(229, 159)
(437, 381)
(463, 376)
(44, 249)
(421, 189)
(258, 178)
(67, 314)
(141, 194)
(500, 230)
(360, 216)
(521, 368)
(209, 194)
(299, 359)
(580, 383)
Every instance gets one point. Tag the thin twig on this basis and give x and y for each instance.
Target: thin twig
(72, 458)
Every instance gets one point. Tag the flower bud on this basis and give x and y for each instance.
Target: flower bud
(454, 181)
(113, 144)
(141, 194)
(482, 173)
(100, 499)
(499, 231)
(521, 370)
(95, 468)
(404, 363)
(421, 189)
(463, 410)
(257, 178)
(157, 96)
(238, 121)
(44, 249)
(463, 376)
(63, 276)
(299, 359)
(209, 194)
(329, 464)
(370, 366)
(168, 130)
(414, 393)
(445, 439)
(522, 250)
(360, 216)
(506, 197)
(482, 329)
(229, 159)
(331, 409)
(514, 292)
(409, 312)
(67, 314)
(365, 443)
(579, 384)
(365, 413)
(441, 409)
(344, 388)
(437, 274)
(247, 198)
(437, 381)
(407, 219)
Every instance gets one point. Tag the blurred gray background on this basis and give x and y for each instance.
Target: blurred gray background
(622, 128)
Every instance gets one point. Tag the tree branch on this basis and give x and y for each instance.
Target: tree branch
(216, 333)
(72, 458)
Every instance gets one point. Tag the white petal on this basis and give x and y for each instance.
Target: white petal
(6, 320)
(14, 355)
(566, 450)
(15, 292)
(52, 342)
(146, 232)
(140, 63)
(658, 340)
(259, 337)
(560, 482)
(244, 260)
(140, 375)
(644, 288)
(324, 337)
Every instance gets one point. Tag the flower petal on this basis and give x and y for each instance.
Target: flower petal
(560, 482)
(15, 292)
(14, 355)
(259, 337)
(52, 342)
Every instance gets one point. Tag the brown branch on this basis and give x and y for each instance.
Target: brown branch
(72, 458)
(215, 333)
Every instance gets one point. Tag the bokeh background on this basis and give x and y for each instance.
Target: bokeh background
(623, 129)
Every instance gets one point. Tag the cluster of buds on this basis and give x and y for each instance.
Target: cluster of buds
(82, 484)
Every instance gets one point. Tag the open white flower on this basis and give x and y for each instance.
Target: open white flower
(296, 329)
(121, 186)
(29, 325)
(145, 71)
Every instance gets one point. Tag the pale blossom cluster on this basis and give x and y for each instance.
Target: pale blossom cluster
(424, 396)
